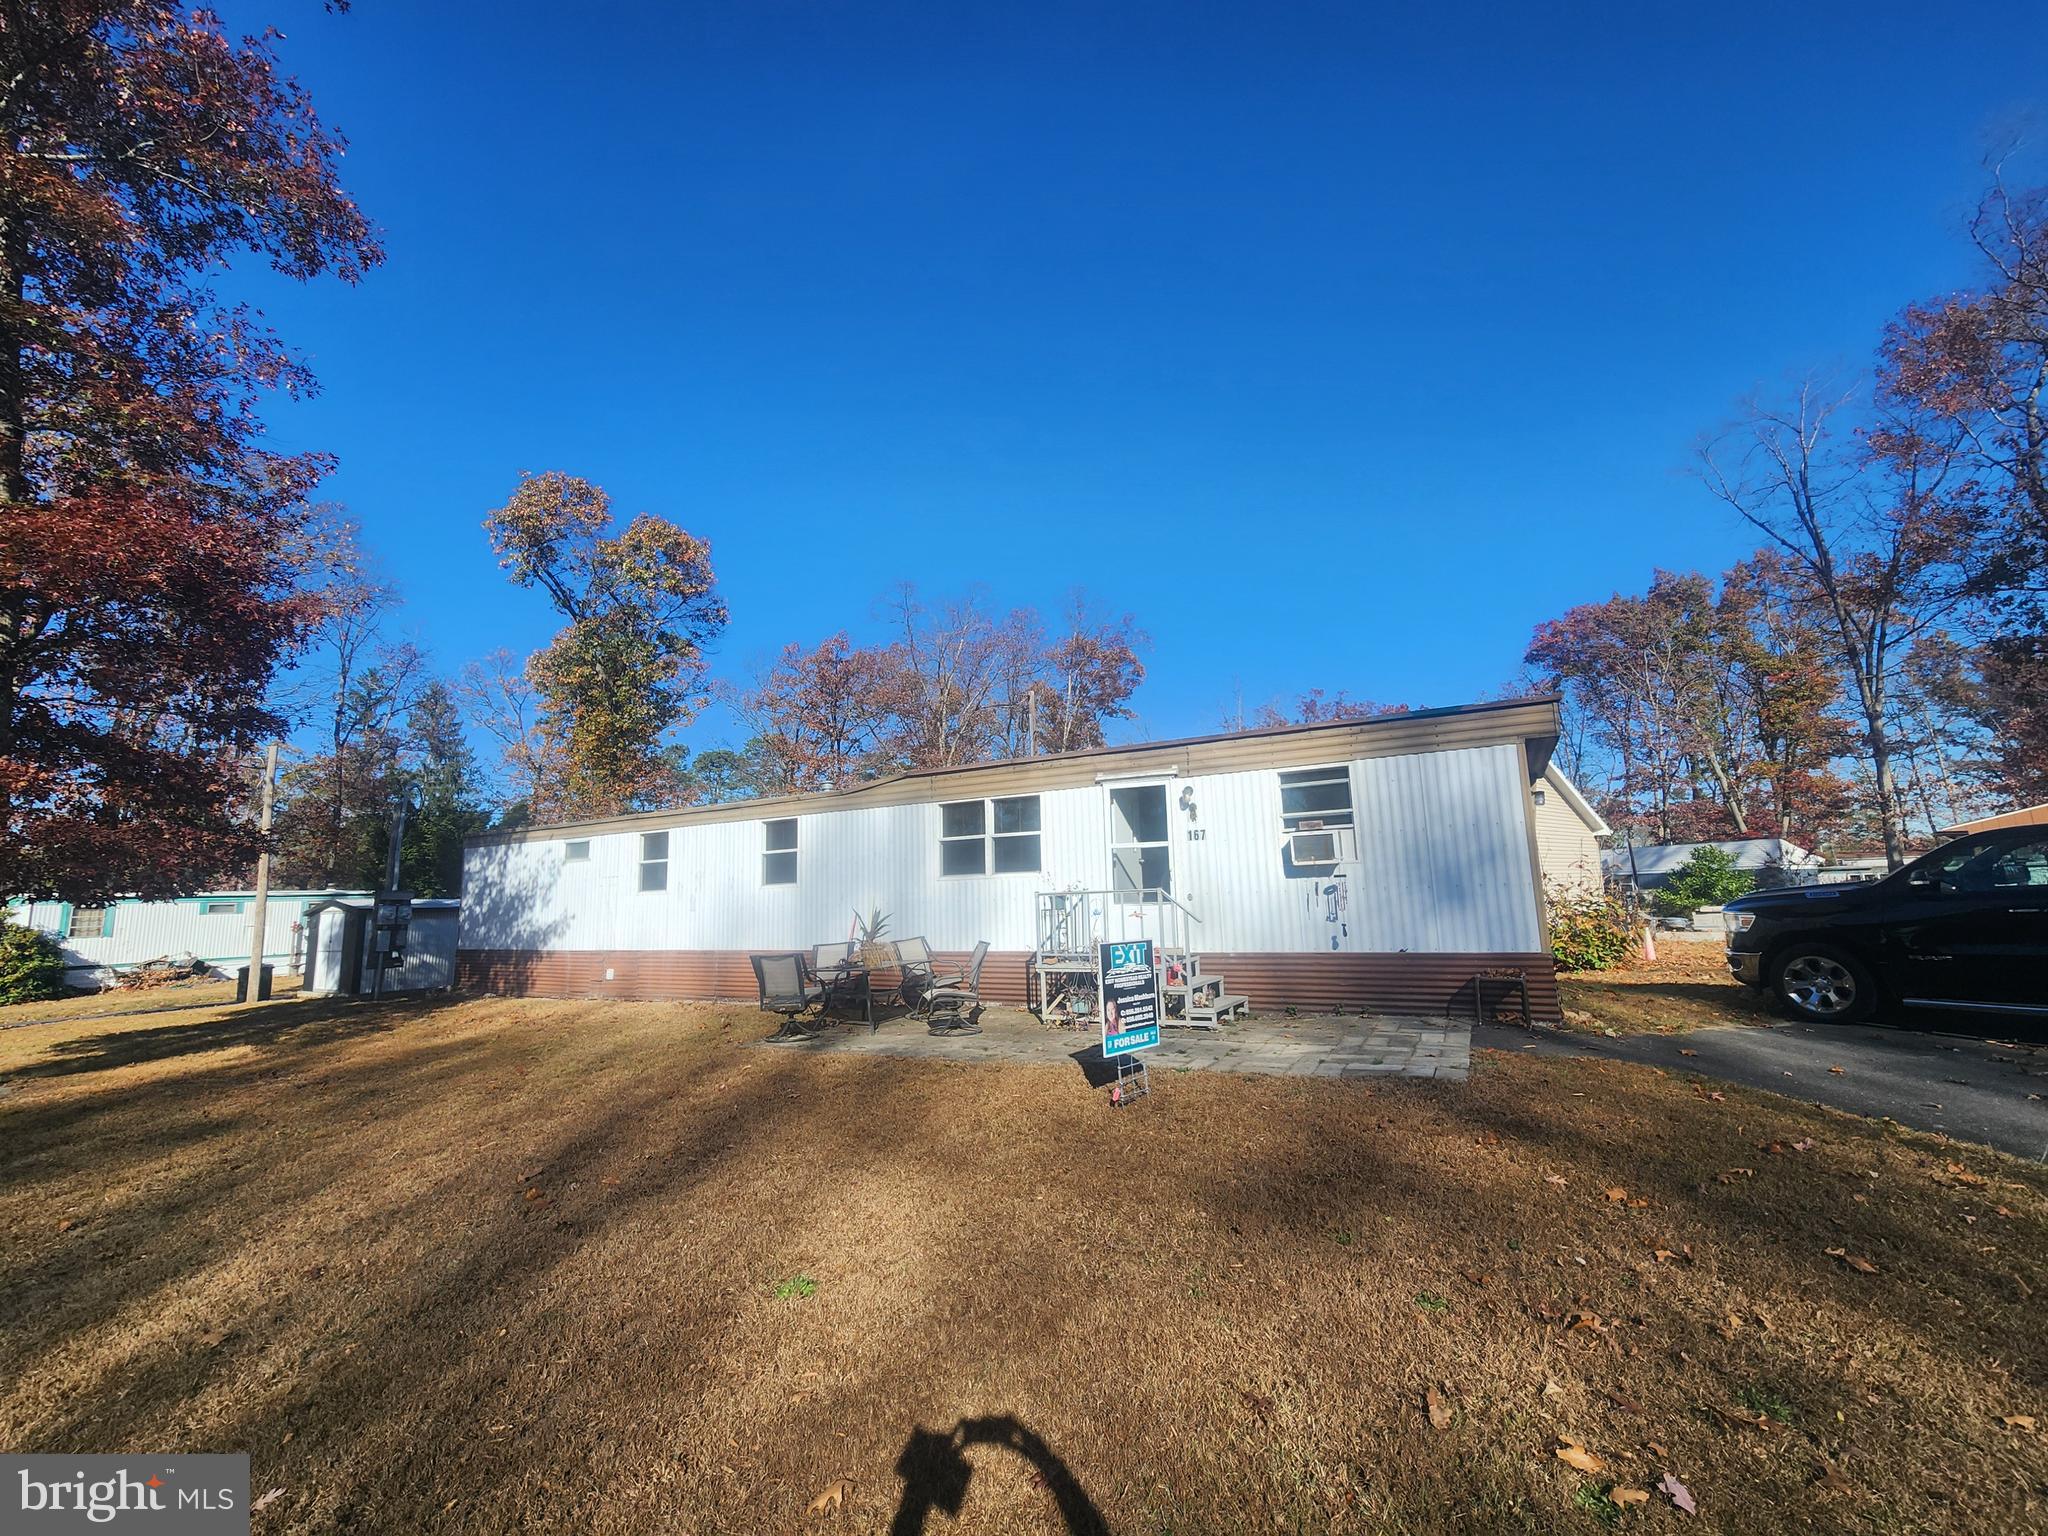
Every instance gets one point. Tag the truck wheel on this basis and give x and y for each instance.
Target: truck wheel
(1822, 984)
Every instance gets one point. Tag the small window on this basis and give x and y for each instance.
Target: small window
(219, 908)
(1016, 835)
(1312, 799)
(576, 851)
(88, 922)
(653, 861)
(963, 838)
(1317, 819)
(778, 859)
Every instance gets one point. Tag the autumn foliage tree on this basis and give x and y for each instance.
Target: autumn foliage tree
(1710, 706)
(149, 545)
(1972, 368)
(628, 667)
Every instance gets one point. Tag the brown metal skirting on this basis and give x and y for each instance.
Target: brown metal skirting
(1386, 983)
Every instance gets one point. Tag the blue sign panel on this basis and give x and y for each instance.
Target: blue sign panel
(1130, 998)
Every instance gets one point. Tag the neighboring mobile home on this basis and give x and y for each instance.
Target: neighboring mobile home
(1376, 863)
(1568, 833)
(98, 940)
(1770, 859)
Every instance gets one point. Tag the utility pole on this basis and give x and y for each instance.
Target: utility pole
(259, 909)
(384, 897)
(1031, 727)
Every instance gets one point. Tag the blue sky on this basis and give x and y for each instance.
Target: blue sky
(1340, 348)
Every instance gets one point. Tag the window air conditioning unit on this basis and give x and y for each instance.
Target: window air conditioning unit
(1333, 845)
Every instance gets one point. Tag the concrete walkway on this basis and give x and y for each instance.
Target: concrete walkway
(1317, 1046)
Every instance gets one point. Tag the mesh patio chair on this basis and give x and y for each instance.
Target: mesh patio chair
(786, 988)
(956, 1006)
(921, 975)
(831, 965)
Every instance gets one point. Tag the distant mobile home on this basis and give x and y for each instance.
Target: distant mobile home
(214, 927)
(1377, 863)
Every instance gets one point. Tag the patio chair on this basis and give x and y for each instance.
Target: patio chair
(786, 987)
(956, 1006)
(921, 975)
(831, 966)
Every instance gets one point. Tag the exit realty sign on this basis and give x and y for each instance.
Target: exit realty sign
(1130, 998)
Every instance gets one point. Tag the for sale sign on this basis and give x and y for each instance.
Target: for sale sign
(1130, 998)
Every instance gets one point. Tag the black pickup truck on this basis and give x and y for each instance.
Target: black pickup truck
(1963, 927)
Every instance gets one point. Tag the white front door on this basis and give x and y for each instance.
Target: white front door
(1140, 853)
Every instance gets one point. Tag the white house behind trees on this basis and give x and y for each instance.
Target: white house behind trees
(1375, 863)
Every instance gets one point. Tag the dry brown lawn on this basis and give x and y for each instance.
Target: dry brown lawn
(1686, 987)
(580, 1267)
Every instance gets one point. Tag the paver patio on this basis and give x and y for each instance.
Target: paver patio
(1376, 1045)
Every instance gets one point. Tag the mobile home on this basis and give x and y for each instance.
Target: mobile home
(100, 940)
(1378, 864)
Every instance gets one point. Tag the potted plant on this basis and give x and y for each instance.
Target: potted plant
(870, 938)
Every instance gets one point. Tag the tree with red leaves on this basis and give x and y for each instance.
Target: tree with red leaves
(1317, 706)
(1972, 368)
(821, 719)
(149, 547)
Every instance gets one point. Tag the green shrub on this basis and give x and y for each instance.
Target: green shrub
(31, 965)
(1589, 933)
(1707, 879)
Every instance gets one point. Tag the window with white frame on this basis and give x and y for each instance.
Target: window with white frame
(1316, 814)
(576, 851)
(653, 861)
(1013, 839)
(999, 836)
(778, 856)
(88, 923)
(226, 908)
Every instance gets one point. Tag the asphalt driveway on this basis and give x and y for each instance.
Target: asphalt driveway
(1993, 1090)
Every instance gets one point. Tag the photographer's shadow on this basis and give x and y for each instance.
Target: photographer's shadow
(935, 1472)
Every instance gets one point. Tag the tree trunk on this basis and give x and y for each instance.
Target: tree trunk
(17, 623)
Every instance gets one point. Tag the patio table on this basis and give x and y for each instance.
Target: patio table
(844, 973)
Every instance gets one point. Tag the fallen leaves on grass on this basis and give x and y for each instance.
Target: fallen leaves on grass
(1627, 1496)
(1678, 1494)
(1439, 1410)
(2019, 1421)
(1837, 1071)
(1575, 1455)
(265, 1501)
(1861, 1266)
(834, 1497)
(1616, 1192)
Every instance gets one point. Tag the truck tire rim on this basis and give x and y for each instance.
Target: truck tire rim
(1818, 984)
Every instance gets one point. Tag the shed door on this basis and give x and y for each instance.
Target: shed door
(1140, 852)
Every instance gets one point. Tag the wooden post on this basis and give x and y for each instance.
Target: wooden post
(259, 909)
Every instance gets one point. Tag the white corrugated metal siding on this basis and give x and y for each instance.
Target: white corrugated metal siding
(1444, 865)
